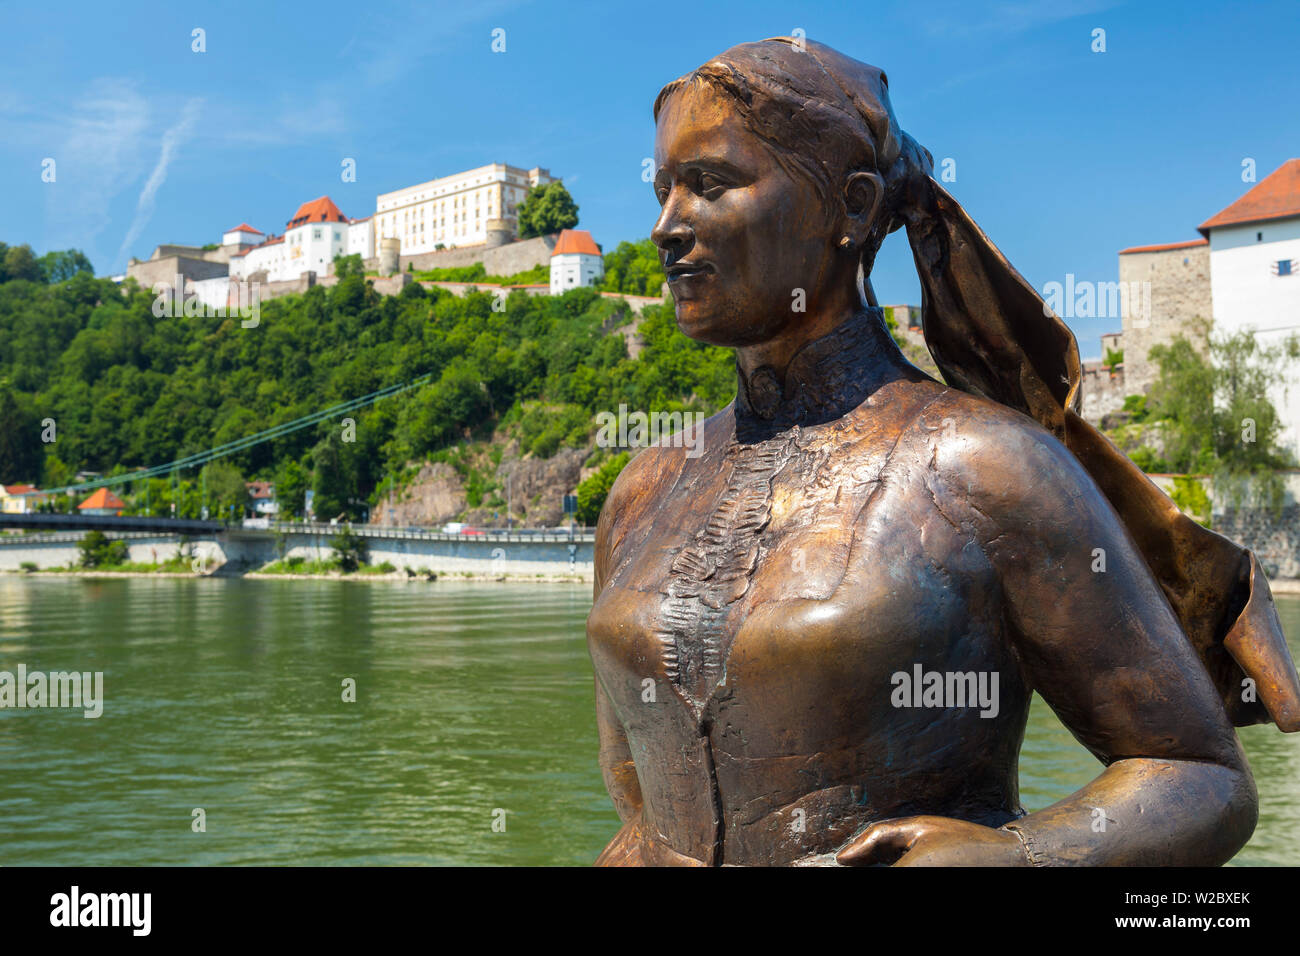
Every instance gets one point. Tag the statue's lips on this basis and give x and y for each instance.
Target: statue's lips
(686, 271)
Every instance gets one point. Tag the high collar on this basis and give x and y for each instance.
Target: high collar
(825, 378)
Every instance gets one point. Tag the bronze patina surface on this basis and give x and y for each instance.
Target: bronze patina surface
(816, 641)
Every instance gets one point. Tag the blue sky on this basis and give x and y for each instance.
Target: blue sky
(1063, 155)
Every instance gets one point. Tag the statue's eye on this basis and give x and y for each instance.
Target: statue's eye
(661, 192)
(711, 186)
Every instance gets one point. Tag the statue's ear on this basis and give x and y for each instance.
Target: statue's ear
(864, 195)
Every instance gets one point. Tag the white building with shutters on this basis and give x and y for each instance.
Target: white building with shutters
(454, 210)
(1255, 276)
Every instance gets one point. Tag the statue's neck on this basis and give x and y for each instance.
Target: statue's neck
(825, 379)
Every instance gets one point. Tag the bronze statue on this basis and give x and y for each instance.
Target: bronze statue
(815, 642)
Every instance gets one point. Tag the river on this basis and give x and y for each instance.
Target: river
(473, 708)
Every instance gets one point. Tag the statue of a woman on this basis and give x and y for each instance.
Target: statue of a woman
(816, 641)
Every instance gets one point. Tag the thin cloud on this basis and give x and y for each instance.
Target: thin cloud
(171, 143)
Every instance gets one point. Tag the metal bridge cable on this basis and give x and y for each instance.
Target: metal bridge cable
(239, 444)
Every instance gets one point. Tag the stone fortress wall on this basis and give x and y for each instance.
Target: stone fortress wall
(1179, 274)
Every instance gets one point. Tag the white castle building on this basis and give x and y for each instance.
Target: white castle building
(454, 210)
(313, 236)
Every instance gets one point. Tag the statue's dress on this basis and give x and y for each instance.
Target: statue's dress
(756, 603)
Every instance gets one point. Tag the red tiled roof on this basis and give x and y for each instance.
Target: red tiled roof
(1276, 196)
(245, 227)
(102, 498)
(258, 489)
(1165, 246)
(19, 489)
(261, 245)
(318, 210)
(576, 241)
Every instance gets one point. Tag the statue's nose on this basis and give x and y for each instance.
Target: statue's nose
(671, 233)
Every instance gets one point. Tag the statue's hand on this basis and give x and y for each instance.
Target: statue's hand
(933, 841)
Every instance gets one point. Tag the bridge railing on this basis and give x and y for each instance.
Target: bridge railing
(67, 527)
(42, 521)
(579, 534)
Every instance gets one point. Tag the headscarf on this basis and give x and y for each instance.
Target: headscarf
(991, 334)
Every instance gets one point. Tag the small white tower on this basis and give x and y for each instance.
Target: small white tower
(575, 261)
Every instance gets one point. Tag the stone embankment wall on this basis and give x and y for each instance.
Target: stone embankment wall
(504, 260)
(391, 285)
(239, 550)
(1274, 536)
(1103, 389)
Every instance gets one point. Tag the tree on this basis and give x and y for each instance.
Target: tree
(291, 489)
(55, 474)
(20, 263)
(633, 269)
(21, 455)
(349, 265)
(1212, 395)
(546, 209)
(226, 488)
(1182, 396)
(97, 550)
(58, 266)
(332, 478)
(593, 492)
(350, 550)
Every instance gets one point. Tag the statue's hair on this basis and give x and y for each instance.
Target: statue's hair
(822, 115)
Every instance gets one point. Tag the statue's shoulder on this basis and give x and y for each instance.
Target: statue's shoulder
(656, 467)
(992, 457)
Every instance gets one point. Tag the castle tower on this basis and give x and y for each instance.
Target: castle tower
(390, 251)
(500, 232)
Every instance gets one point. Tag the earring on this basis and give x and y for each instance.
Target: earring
(846, 243)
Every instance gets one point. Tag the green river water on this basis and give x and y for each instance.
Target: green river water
(472, 698)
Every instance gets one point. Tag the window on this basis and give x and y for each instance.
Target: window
(1283, 267)
(315, 233)
(1259, 237)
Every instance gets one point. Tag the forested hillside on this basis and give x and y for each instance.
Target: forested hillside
(127, 390)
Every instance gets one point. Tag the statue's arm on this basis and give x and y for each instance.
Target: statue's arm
(1106, 652)
(616, 764)
(1097, 639)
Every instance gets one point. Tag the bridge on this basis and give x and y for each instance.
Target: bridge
(215, 547)
(107, 523)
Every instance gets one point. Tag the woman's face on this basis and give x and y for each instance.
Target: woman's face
(744, 243)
